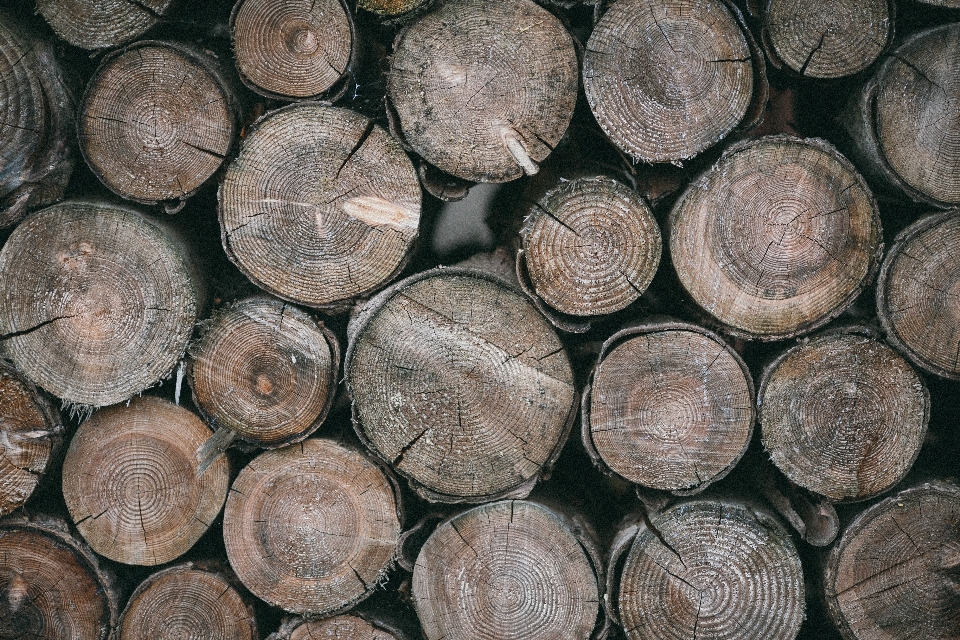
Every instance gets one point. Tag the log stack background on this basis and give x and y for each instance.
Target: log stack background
(521, 402)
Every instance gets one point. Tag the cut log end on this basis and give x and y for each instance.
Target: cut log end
(347, 627)
(102, 24)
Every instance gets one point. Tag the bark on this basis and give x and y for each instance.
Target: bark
(509, 570)
(312, 528)
(893, 574)
(156, 121)
(917, 291)
(98, 301)
(484, 89)
(670, 406)
(666, 79)
(102, 24)
(321, 206)
(777, 239)
(460, 384)
(147, 505)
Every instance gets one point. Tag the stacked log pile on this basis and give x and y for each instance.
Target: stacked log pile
(701, 380)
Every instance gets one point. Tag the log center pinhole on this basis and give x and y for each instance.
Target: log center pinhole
(301, 39)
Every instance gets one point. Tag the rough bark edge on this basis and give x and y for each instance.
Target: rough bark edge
(657, 325)
(883, 311)
(363, 318)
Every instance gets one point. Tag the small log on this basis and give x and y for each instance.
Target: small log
(590, 247)
(668, 79)
(711, 569)
(36, 134)
(187, 601)
(843, 415)
(459, 384)
(130, 482)
(829, 39)
(156, 121)
(30, 435)
(511, 570)
(917, 293)
(98, 301)
(394, 10)
(348, 626)
(484, 89)
(102, 24)
(298, 49)
(266, 371)
(799, 237)
(51, 584)
(320, 207)
(670, 407)
(893, 574)
(902, 123)
(312, 528)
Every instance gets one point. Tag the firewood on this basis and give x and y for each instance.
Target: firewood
(98, 301)
(393, 10)
(893, 574)
(156, 121)
(917, 293)
(320, 207)
(102, 24)
(827, 39)
(130, 482)
(668, 79)
(296, 49)
(798, 239)
(30, 436)
(51, 584)
(36, 132)
(508, 570)
(484, 89)
(460, 384)
(348, 626)
(670, 407)
(312, 528)
(187, 601)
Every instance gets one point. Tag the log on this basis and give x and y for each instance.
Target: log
(484, 89)
(102, 24)
(917, 291)
(590, 247)
(51, 584)
(147, 506)
(188, 601)
(312, 528)
(901, 123)
(98, 301)
(459, 384)
(842, 414)
(37, 129)
(391, 11)
(828, 39)
(297, 50)
(31, 434)
(893, 574)
(321, 206)
(156, 121)
(347, 626)
(711, 569)
(777, 239)
(670, 406)
(508, 570)
(666, 79)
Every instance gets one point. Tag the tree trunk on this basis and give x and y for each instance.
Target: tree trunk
(130, 482)
(670, 407)
(799, 237)
(312, 528)
(98, 301)
(917, 292)
(102, 24)
(321, 207)
(893, 574)
(460, 384)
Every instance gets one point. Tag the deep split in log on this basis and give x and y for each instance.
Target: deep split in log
(460, 384)
(102, 24)
(321, 206)
(98, 301)
(798, 241)
(130, 482)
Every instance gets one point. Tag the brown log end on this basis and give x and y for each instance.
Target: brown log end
(102, 24)
(387, 9)
(346, 627)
